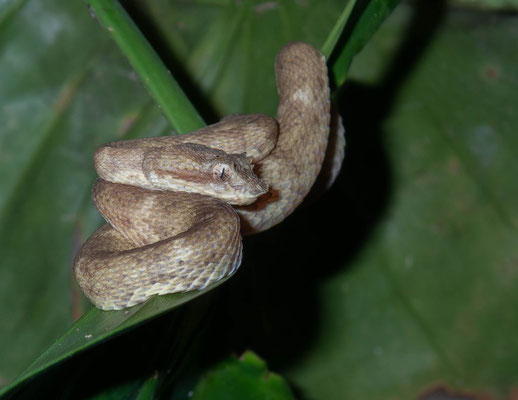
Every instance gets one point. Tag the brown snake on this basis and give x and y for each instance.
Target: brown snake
(166, 199)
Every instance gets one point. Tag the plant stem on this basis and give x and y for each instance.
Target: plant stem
(337, 30)
(149, 67)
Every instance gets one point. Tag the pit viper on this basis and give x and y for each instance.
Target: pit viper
(177, 206)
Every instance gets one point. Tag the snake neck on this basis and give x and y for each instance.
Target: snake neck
(303, 116)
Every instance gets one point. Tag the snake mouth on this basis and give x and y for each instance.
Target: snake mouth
(256, 191)
(244, 200)
(244, 195)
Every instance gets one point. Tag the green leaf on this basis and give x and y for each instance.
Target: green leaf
(47, 140)
(96, 326)
(58, 108)
(228, 48)
(147, 391)
(499, 5)
(419, 292)
(366, 20)
(246, 378)
(337, 30)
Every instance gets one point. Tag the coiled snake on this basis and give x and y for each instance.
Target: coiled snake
(166, 199)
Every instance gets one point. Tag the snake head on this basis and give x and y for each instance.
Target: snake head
(196, 168)
(233, 179)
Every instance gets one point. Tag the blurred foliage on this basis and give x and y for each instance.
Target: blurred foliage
(244, 378)
(496, 5)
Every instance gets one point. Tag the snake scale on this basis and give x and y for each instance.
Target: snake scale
(167, 200)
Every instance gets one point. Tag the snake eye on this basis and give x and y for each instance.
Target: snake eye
(221, 172)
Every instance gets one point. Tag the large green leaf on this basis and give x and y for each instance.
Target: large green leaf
(82, 101)
(244, 378)
(96, 326)
(228, 47)
(500, 5)
(61, 73)
(420, 282)
(417, 288)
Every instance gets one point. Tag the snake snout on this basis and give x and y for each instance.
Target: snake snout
(258, 188)
(245, 184)
(245, 190)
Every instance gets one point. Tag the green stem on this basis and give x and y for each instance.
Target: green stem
(335, 33)
(149, 67)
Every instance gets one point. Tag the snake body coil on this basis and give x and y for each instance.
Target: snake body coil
(166, 200)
